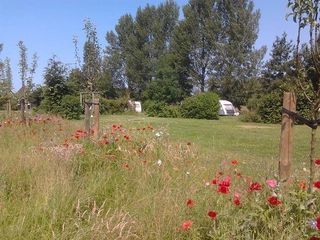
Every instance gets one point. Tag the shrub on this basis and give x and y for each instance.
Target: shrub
(202, 106)
(70, 107)
(112, 106)
(267, 109)
(249, 116)
(160, 109)
(172, 111)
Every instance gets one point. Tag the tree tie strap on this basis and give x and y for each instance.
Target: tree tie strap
(310, 123)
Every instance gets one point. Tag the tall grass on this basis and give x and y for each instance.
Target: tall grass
(134, 183)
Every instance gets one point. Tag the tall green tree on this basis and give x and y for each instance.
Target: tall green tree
(26, 70)
(238, 61)
(5, 79)
(165, 87)
(91, 64)
(196, 40)
(135, 48)
(55, 80)
(8, 74)
(280, 65)
(91, 55)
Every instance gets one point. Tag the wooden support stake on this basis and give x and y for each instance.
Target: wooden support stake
(87, 118)
(28, 113)
(9, 108)
(23, 109)
(96, 118)
(286, 139)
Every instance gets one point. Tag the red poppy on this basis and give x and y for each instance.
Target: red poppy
(236, 201)
(214, 181)
(125, 165)
(318, 223)
(223, 189)
(234, 162)
(212, 214)
(186, 225)
(302, 185)
(316, 184)
(274, 201)
(225, 182)
(317, 162)
(314, 238)
(190, 203)
(255, 187)
(126, 137)
(238, 175)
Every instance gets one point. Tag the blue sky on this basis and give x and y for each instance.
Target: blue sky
(48, 26)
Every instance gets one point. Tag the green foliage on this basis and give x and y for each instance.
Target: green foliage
(112, 106)
(267, 108)
(278, 69)
(70, 107)
(166, 87)
(36, 96)
(202, 106)
(136, 47)
(55, 86)
(161, 109)
(250, 116)
(91, 68)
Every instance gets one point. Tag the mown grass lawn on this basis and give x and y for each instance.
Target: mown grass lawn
(227, 138)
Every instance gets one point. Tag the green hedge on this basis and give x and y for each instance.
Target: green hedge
(112, 106)
(161, 109)
(267, 108)
(201, 106)
(70, 107)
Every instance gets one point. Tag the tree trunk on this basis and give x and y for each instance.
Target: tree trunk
(203, 79)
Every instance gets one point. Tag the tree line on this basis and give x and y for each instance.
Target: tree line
(157, 55)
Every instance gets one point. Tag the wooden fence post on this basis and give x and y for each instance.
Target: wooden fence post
(96, 118)
(9, 108)
(286, 139)
(87, 118)
(23, 109)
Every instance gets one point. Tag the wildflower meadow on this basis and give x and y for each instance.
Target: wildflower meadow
(152, 178)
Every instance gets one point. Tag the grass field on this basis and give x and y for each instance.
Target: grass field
(228, 138)
(151, 178)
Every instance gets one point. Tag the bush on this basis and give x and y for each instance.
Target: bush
(161, 109)
(249, 116)
(112, 106)
(202, 106)
(70, 107)
(267, 109)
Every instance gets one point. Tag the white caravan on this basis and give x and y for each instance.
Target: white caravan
(135, 105)
(227, 108)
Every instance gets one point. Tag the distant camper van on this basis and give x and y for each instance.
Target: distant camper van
(135, 105)
(227, 108)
